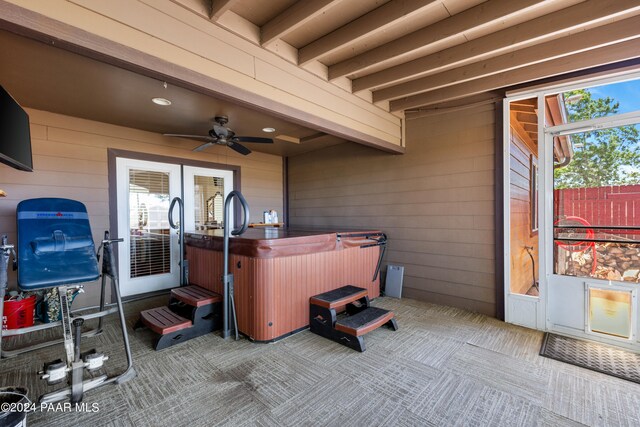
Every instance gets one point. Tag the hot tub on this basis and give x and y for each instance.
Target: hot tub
(276, 271)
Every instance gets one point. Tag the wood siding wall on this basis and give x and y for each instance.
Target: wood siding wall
(436, 203)
(70, 160)
(520, 209)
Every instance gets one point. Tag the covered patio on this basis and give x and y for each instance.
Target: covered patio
(445, 366)
(371, 148)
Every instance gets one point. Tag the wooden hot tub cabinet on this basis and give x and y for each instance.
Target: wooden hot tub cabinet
(276, 271)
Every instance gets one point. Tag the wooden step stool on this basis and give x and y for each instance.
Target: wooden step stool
(192, 311)
(360, 319)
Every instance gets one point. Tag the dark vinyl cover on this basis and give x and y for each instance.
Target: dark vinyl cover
(275, 242)
(261, 243)
(55, 245)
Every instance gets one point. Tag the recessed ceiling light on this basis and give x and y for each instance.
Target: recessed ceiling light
(161, 101)
(269, 130)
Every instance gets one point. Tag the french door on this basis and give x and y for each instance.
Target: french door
(149, 258)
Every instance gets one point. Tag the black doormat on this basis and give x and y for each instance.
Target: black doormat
(597, 357)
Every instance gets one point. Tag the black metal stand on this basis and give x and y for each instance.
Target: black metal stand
(75, 363)
(6, 251)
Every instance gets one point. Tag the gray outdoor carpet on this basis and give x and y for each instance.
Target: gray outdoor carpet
(597, 357)
(443, 367)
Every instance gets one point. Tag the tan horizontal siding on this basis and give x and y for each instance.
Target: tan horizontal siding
(472, 250)
(436, 203)
(520, 211)
(408, 209)
(460, 180)
(411, 168)
(71, 160)
(463, 300)
(471, 263)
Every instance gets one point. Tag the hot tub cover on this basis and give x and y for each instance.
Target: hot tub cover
(279, 242)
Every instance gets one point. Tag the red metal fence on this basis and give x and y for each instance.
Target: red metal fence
(617, 205)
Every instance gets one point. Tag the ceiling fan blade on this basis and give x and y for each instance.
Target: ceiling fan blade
(203, 146)
(256, 139)
(239, 148)
(200, 137)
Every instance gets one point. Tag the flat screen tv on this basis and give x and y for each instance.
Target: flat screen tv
(15, 137)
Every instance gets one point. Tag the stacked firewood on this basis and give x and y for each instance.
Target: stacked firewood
(615, 261)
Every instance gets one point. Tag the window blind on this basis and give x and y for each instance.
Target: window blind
(150, 240)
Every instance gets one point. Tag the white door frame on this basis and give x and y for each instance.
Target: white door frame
(520, 309)
(567, 295)
(138, 285)
(537, 309)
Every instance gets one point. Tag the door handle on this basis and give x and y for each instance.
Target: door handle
(175, 200)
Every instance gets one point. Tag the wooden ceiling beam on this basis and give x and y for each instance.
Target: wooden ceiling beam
(521, 109)
(605, 35)
(374, 21)
(474, 17)
(524, 106)
(293, 18)
(218, 7)
(580, 61)
(530, 141)
(563, 20)
(531, 102)
(529, 118)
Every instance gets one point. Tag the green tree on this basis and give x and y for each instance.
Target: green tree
(601, 157)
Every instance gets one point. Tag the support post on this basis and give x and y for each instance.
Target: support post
(6, 251)
(228, 305)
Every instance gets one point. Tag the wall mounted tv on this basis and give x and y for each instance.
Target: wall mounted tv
(15, 137)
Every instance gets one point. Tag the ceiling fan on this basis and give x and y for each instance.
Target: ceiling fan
(222, 135)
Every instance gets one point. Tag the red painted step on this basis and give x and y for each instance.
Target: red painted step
(338, 297)
(365, 321)
(195, 295)
(163, 321)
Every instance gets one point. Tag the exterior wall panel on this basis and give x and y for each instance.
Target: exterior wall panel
(436, 203)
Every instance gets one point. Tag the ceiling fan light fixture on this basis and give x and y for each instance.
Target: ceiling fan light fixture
(268, 130)
(161, 101)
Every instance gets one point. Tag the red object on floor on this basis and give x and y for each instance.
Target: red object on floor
(18, 314)
(162, 320)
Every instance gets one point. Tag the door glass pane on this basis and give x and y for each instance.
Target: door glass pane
(601, 101)
(596, 204)
(150, 240)
(523, 194)
(208, 202)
